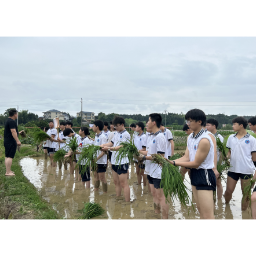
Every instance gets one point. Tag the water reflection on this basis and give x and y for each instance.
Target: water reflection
(67, 195)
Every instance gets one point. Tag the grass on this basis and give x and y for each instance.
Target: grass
(91, 210)
(20, 193)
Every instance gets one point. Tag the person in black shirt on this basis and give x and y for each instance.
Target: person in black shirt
(11, 140)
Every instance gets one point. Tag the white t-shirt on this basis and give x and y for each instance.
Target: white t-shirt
(241, 150)
(106, 133)
(147, 162)
(53, 144)
(117, 139)
(60, 145)
(140, 141)
(83, 143)
(47, 142)
(99, 140)
(111, 135)
(168, 136)
(192, 145)
(157, 144)
(78, 140)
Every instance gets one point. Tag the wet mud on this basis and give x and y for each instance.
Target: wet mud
(67, 195)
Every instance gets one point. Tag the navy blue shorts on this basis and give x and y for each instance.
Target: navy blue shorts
(50, 151)
(203, 179)
(101, 168)
(120, 169)
(85, 173)
(109, 155)
(45, 147)
(141, 166)
(236, 176)
(154, 181)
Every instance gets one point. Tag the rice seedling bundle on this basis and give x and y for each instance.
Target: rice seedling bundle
(128, 149)
(23, 134)
(177, 156)
(72, 144)
(88, 157)
(41, 136)
(248, 190)
(91, 210)
(59, 155)
(172, 181)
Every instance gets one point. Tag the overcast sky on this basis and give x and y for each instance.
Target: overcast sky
(129, 75)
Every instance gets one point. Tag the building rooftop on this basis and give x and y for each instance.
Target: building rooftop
(85, 112)
(52, 110)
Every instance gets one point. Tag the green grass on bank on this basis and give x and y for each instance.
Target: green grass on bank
(19, 194)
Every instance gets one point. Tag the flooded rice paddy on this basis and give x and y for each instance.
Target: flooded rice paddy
(67, 196)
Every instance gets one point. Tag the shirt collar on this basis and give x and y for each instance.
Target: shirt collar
(83, 138)
(141, 134)
(216, 134)
(98, 135)
(155, 133)
(122, 131)
(245, 136)
(198, 135)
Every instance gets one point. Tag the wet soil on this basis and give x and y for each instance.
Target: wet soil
(67, 196)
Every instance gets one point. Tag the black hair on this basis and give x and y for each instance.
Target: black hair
(110, 122)
(99, 123)
(141, 125)
(252, 120)
(118, 120)
(197, 115)
(50, 121)
(12, 112)
(133, 125)
(213, 122)
(161, 124)
(105, 124)
(47, 128)
(185, 127)
(85, 130)
(67, 131)
(69, 123)
(156, 118)
(63, 123)
(240, 120)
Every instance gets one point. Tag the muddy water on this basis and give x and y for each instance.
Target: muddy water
(67, 196)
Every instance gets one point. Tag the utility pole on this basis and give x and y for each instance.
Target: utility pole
(18, 116)
(165, 118)
(81, 110)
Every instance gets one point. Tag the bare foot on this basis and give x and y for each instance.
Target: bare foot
(10, 174)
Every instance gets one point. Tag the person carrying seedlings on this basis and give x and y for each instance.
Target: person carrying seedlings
(119, 170)
(106, 130)
(45, 143)
(110, 137)
(252, 124)
(60, 145)
(199, 157)
(242, 154)
(52, 142)
(140, 142)
(211, 126)
(100, 138)
(156, 145)
(11, 140)
(70, 134)
(184, 170)
(169, 141)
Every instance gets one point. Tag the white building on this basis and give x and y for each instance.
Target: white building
(53, 113)
(86, 116)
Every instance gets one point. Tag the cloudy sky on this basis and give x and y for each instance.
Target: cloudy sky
(129, 75)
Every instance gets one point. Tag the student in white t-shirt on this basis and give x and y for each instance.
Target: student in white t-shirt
(120, 170)
(60, 145)
(52, 132)
(199, 157)
(169, 141)
(252, 124)
(106, 131)
(156, 145)
(211, 126)
(110, 137)
(99, 175)
(45, 143)
(69, 125)
(242, 153)
(140, 142)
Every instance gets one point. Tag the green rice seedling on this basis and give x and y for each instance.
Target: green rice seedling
(88, 157)
(59, 155)
(41, 136)
(23, 134)
(251, 133)
(91, 210)
(177, 156)
(172, 181)
(72, 144)
(248, 190)
(128, 149)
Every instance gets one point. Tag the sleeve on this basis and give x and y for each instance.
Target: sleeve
(253, 147)
(113, 139)
(12, 125)
(144, 141)
(54, 132)
(161, 145)
(170, 137)
(221, 138)
(229, 142)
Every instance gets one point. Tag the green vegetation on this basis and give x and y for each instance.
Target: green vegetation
(91, 210)
(59, 155)
(40, 137)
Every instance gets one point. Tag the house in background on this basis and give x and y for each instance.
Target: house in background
(86, 116)
(53, 113)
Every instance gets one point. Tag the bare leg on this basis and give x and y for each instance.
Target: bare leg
(219, 188)
(231, 185)
(71, 167)
(124, 184)
(76, 170)
(96, 181)
(45, 153)
(117, 183)
(138, 173)
(155, 198)
(205, 199)
(253, 206)
(162, 202)
(194, 191)
(103, 180)
(245, 200)
(8, 165)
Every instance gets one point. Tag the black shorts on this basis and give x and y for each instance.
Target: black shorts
(10, 149)
(109, 155)
(141, 166)
(236, 176)
(101, 168)
(50, 151)
(120, 169)
(85, 174)
(154, 181)
(45, 148)
(203, 179)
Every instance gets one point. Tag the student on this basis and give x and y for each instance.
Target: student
(106, 130)
(169, 141)
(110, 137)
(45, 143)
(52, 132)
(99, 175)
(184, 170)
(211, 126)
(156, 145)
(119, 171)
(133, 127)
(70, 134)
(242, 153)
(60, 145)
(69, 125)
(199, 157)
(252, 124)
(140, 142)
